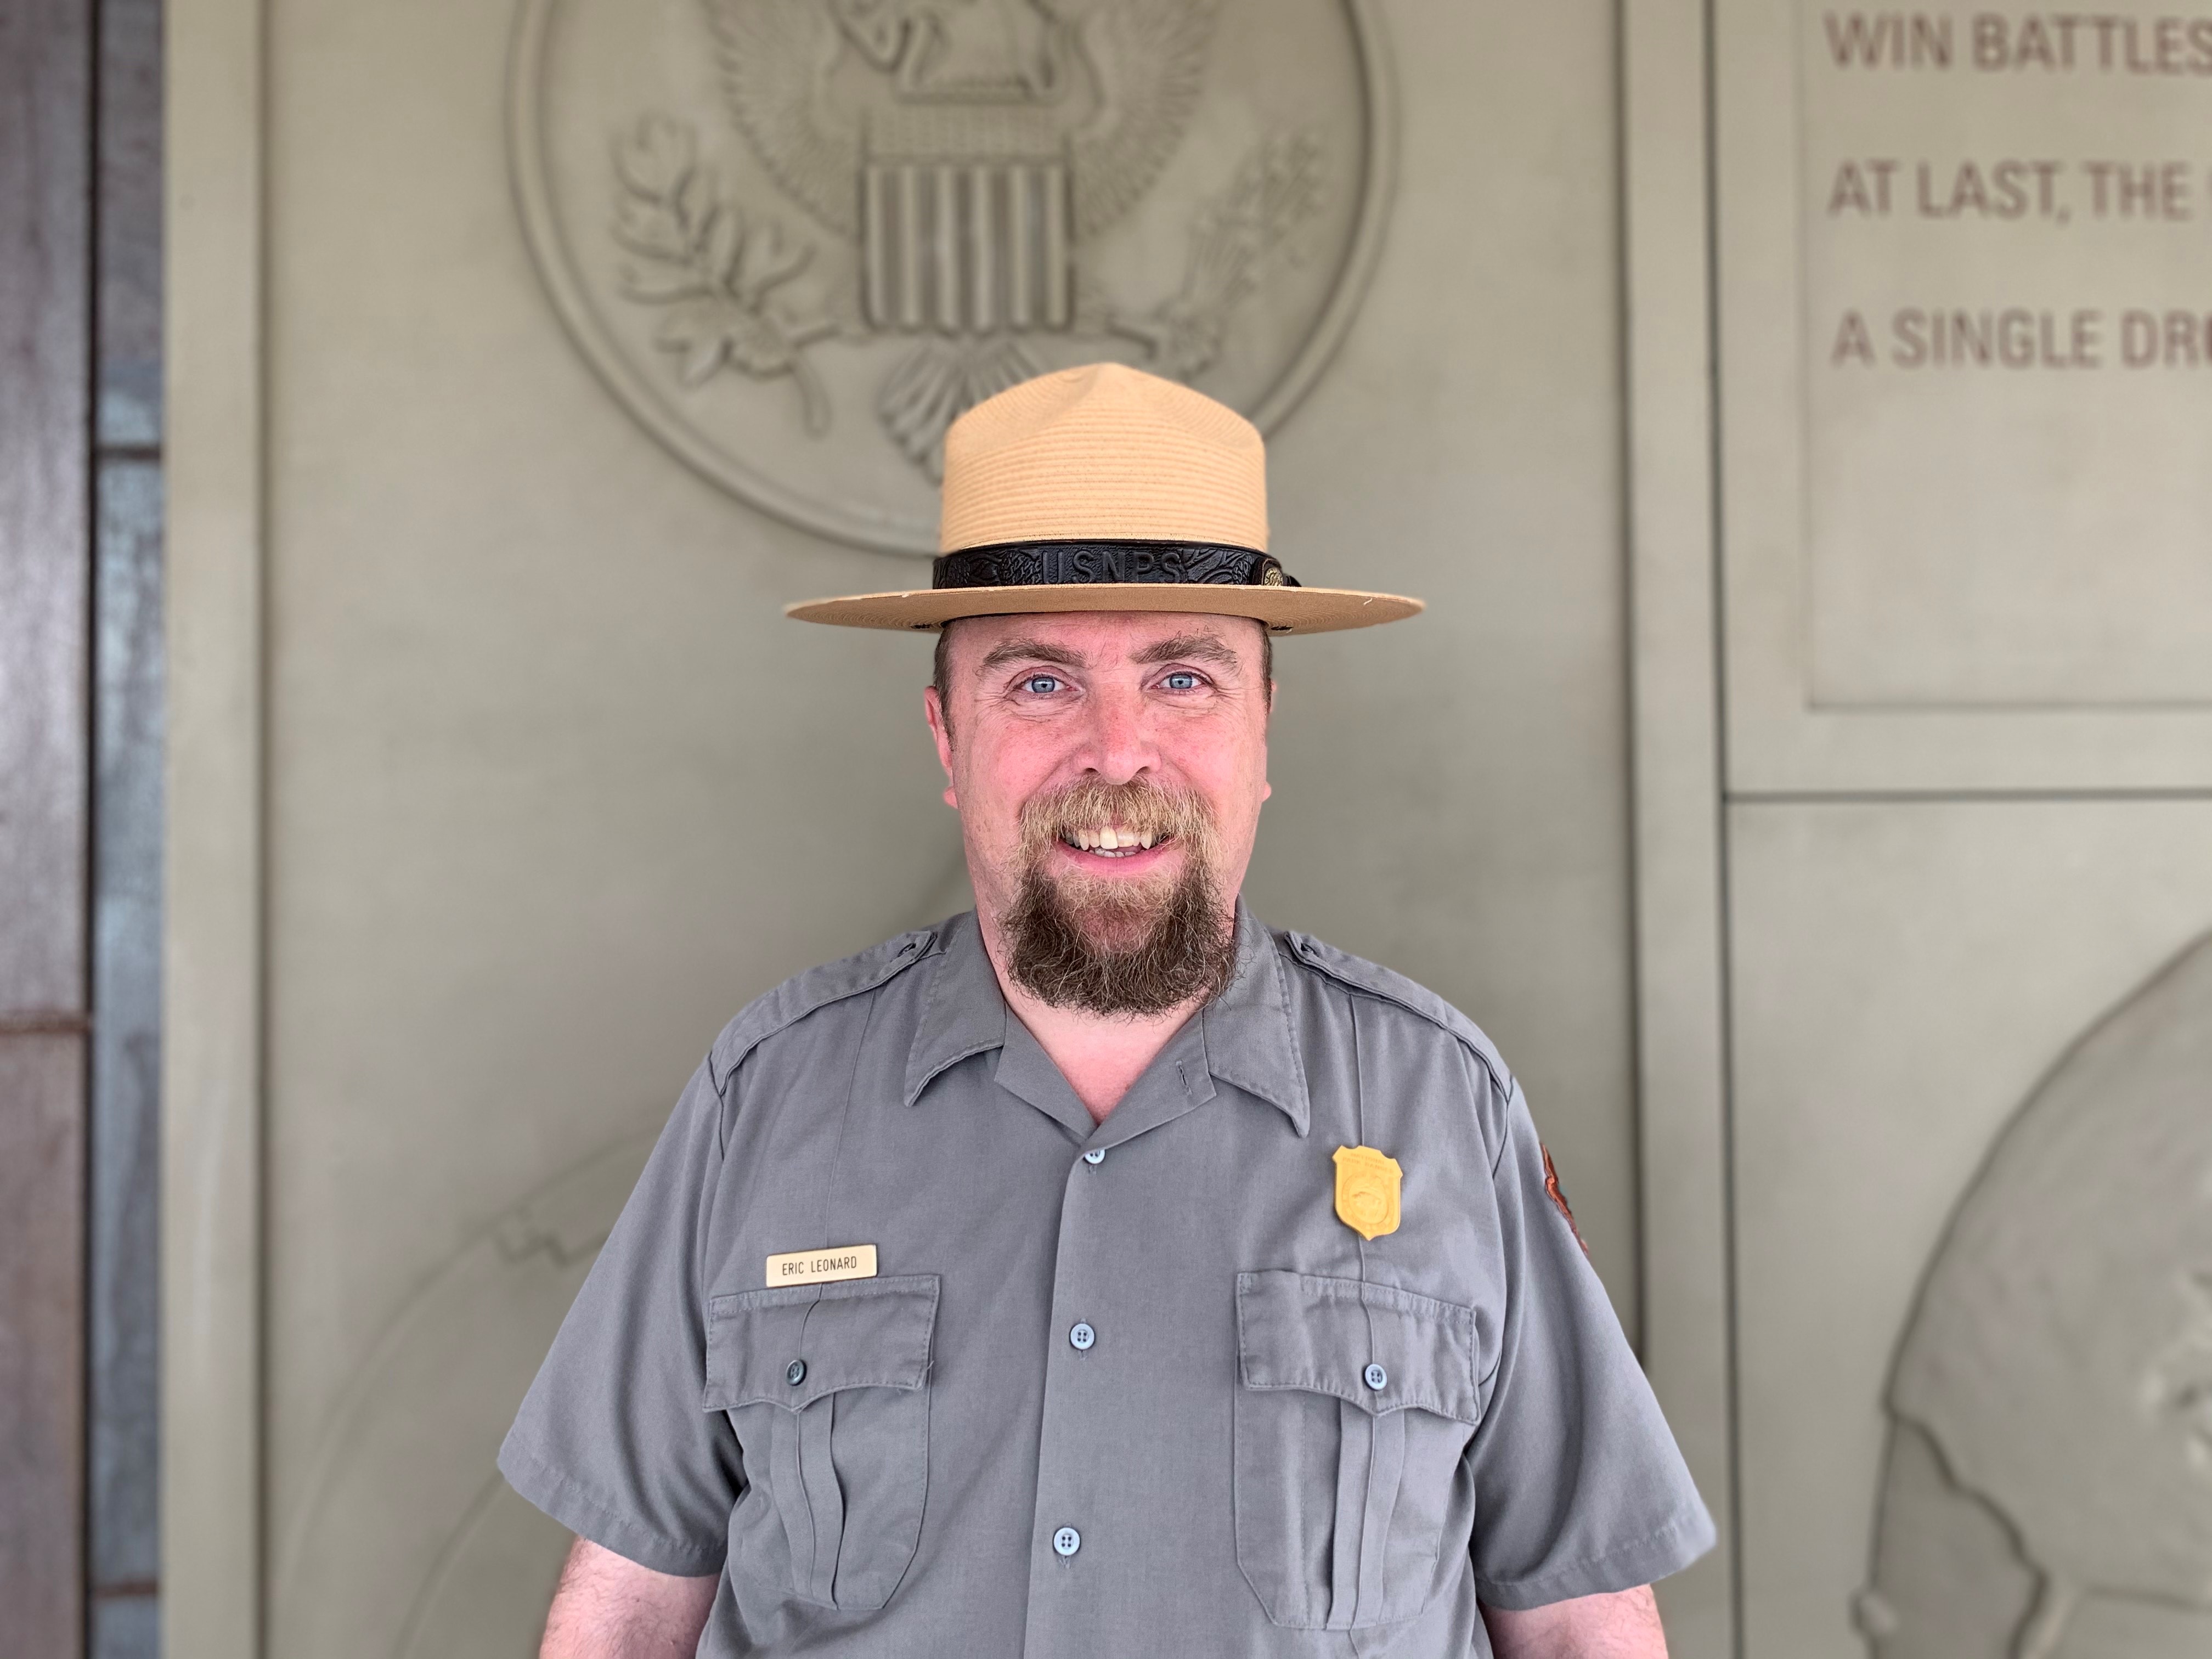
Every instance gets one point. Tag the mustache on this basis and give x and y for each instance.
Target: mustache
(1142, 809)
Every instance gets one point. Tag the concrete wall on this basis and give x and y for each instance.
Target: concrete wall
(1801, 770)
(1968, 759)
(544, 788)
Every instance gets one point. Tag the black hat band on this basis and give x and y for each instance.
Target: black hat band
(1040, 564)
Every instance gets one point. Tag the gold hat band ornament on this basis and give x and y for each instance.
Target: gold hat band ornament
(1367, 1191)
(1103, 487)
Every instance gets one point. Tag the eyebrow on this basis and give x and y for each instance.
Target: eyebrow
(1199, 648)
(1008, 651)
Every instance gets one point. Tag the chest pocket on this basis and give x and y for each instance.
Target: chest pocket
(1355, 1407)
(828, 1389)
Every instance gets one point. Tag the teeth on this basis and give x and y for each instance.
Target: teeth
(1105, 838)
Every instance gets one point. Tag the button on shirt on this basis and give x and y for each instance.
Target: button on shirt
(1294, 1433)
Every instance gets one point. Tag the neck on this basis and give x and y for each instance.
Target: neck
(1101, 1056)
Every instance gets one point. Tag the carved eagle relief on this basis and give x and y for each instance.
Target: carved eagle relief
(825, 229)
(817, 86)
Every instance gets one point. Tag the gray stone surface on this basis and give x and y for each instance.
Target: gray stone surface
(1906, 974)
(1948, 1582)
(2059, 1364)
(1963, 633)
(409, 1542)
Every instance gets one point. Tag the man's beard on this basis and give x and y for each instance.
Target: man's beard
(1126, 947)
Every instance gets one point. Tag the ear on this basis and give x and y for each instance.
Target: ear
(933, 710)
(1267, 725)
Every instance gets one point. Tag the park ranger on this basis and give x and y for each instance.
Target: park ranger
(1102, 1272)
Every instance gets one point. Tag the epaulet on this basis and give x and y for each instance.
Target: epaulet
(1358, 973)
(802, 994)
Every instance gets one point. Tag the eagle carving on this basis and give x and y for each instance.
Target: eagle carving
(800, 238)
(982, 120)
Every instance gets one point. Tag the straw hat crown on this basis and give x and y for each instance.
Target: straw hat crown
(1102, 453)
(1106, 489)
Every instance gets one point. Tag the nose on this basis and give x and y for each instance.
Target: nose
(1117, 742)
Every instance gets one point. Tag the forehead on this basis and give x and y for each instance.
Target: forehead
(1103, 638)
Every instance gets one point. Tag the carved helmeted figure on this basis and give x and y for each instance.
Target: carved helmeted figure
(2048, 1492)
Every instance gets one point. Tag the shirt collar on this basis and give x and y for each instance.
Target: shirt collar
(1246, 1032)
(965, 1012)
(1250, 1042)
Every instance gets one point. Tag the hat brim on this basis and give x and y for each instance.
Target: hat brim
(1280, 610)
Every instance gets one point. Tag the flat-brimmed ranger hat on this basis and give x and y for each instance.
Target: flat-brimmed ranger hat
(1106, 489)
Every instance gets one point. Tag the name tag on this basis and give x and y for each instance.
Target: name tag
(820, 1267)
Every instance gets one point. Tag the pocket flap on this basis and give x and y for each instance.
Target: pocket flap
(856, 1334)
(1298, 1331)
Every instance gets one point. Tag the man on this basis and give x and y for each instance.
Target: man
(1102, 1273)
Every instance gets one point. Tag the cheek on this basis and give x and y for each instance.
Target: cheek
(1232, 775)
(998, 773)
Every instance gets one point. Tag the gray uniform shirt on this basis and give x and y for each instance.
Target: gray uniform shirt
(1114, 1388)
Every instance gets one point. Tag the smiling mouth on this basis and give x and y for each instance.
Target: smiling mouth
(1104, 841)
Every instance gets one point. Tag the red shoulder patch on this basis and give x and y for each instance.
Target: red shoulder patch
(1552, 1186)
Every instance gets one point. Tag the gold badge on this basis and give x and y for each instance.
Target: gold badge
(821, 1266)
(1367, 1191)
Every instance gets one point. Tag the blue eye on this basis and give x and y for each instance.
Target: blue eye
(1182, 680)
(1042, 685)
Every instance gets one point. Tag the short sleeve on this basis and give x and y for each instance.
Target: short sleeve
(612, 1440)
(1579, 1488)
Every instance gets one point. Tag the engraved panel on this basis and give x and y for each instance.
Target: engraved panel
(796, 238)
(2052, 1406)
(1961, 499)
(407, 1542)
(2007, 221)
(1904, 974)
